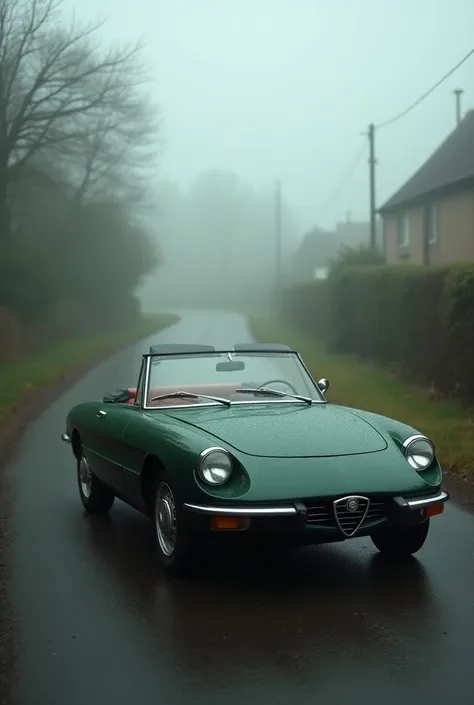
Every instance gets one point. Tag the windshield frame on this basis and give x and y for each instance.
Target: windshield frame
(149, 357)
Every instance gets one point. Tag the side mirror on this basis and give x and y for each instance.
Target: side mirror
(323, 385)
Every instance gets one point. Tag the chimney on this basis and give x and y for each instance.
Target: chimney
(458, 92)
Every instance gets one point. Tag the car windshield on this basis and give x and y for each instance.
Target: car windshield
(243, 377)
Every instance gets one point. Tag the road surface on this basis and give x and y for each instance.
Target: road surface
(99, 623)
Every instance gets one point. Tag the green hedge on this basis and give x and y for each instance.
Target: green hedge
(418, 321)
(307, 305)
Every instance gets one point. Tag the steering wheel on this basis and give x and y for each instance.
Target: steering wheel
(281, 381)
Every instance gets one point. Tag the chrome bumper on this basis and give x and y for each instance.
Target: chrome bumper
(421, 502)
(292, 509)
(65, 438)
(282, 511)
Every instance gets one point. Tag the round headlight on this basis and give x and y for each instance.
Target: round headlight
(419, 452)
(215, 466)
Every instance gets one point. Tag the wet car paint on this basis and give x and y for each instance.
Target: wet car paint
(98, 621)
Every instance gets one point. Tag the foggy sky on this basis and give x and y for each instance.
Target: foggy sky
(283, 88)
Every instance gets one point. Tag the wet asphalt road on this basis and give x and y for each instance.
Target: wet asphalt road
(100, 624)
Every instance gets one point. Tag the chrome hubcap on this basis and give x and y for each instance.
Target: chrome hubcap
(165, 519)
(85, 477)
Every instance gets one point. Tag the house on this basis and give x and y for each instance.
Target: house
(430, 219)
(318, 247)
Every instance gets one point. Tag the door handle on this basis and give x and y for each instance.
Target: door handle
(101, 414)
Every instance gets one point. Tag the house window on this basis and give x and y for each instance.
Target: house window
(432, 224)
(404, 231)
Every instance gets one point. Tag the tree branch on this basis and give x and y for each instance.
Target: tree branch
(60, 94)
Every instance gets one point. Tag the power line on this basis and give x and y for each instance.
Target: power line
(397, 117)
(344, 179)
(425, 95)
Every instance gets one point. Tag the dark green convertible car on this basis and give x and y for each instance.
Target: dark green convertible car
(243, 443)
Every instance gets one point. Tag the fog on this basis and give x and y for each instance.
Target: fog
(273, 89)
(283, 89)
(218, 241)
(250, 93)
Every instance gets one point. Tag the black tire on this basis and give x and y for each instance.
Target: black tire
(179, 550)
(96, 498)
(403, 542)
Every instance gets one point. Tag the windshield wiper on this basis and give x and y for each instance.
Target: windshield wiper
(274, 392)
(190, 395)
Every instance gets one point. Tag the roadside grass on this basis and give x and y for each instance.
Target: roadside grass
(30, 375)
(364, 386)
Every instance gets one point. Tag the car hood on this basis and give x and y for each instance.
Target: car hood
(286, 430)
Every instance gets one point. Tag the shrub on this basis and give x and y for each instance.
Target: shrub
(417, 320)
(360, 256)
(459, 341)
(308, 306)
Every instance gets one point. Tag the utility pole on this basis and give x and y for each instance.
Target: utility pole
(372, 162)
(458, 92)
(278, 277)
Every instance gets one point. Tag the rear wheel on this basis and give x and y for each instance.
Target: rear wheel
(179, 550)
(399, 543)
(95, 496)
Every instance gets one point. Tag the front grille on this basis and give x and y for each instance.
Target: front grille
(321, 513)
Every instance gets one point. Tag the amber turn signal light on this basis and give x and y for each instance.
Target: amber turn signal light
(434, 509)
(228, 523)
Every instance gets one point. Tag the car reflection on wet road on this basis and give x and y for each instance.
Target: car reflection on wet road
(99, 623)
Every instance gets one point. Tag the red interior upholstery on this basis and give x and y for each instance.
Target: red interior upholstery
(133, 394)
(216, 390)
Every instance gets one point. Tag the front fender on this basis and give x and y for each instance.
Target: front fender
(178, 447)
(398, 432)
(391, 429)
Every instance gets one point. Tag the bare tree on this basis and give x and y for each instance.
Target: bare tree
(114, 155)
(58, 90)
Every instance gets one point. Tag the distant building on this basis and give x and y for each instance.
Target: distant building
(430, 219)
(318, 247)
(321, 273)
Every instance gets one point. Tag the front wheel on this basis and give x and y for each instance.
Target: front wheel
(95, 496)
(179, 550)
(399, 543)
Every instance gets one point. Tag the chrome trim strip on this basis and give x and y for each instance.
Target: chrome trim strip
(416, 437)
(148, 358)
(321, 394)
(203, 455)
(406, 445)
(233, 403)
(241, 511)
(65, 438)
(146, 385)
(441, 496)
(212, 449)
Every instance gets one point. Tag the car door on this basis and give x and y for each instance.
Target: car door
(104, 441)
(133, 450)
(106, 430)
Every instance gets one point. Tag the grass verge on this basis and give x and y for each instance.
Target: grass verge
(360, 385)
(26, 387)
(30, 376)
